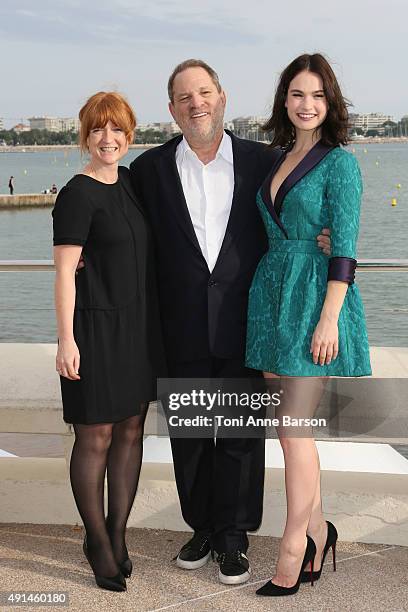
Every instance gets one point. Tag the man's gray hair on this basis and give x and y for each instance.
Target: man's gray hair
(191, 63)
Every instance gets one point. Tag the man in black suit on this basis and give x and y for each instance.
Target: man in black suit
(199, 191)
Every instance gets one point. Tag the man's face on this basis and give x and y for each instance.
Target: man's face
(198, 106)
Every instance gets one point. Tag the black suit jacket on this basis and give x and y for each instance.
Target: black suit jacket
(203, 314)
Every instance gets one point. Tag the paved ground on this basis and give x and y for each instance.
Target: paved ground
(369, 577)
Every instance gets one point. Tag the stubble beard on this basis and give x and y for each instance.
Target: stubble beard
(203, 135)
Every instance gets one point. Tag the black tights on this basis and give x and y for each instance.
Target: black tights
(118, 449)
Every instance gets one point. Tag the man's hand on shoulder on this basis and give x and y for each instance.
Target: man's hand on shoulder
(323, 241)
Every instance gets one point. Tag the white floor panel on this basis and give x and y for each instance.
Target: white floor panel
(4, 453)
(336, 456)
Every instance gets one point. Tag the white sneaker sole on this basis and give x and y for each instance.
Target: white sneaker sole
(234, 579)
(193, 565)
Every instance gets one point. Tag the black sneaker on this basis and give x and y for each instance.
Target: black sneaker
(234, 567)
(195, 553)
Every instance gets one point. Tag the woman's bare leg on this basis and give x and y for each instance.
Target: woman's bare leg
(302, 475)
(317, 527)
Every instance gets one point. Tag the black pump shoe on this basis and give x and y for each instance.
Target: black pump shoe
(126, 567)
(110, 583)
(331, 541)
(273, 590)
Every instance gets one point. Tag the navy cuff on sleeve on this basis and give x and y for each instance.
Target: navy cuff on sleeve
(342, 269)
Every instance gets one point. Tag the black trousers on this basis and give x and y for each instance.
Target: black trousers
(220, 483)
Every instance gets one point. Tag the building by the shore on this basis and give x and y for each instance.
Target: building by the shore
(21, 127)
(249, 127)
(170, 128)
(54, 124)
(370, 121)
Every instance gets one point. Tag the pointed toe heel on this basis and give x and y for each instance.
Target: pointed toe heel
(115, 583)
(109, 583)
(274, 590)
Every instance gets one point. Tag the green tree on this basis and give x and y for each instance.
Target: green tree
(150, 137)
(373, 132)
(38, 137)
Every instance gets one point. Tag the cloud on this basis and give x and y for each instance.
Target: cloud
(57, 52)
(120, 22)
(25, 13)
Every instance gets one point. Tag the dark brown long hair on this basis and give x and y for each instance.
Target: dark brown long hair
(333, 128)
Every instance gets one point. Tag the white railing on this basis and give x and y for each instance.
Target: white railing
(47, 265)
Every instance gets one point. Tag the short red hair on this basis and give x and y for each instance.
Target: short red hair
(101, 108)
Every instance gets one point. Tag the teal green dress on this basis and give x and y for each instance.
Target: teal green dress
(289, 287)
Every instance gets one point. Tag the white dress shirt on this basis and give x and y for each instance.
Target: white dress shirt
(208, 190)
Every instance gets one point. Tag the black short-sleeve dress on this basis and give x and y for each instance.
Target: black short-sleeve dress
(116, 316)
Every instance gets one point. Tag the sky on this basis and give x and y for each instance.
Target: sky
(55, 54)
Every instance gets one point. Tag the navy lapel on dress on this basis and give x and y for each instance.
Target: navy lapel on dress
(172, 188)
(310, 161)
(266, 191)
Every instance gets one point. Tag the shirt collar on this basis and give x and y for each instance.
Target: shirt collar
(224, 150)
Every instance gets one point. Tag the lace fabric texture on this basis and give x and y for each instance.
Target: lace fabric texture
(290, 283)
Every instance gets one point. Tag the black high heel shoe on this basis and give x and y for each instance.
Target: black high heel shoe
(331, 541)
(126, 567)
(113, 583)
(273, 590)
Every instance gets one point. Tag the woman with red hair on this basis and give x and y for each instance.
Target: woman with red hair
(109, 345)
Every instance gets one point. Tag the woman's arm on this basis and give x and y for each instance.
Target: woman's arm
(72, 216)
(344, 188)
(66, 259)
(325, 340)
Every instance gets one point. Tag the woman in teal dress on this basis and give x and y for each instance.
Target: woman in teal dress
(305, 314)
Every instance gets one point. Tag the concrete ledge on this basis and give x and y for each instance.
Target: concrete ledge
(45, 417)
(28, 370)
(25, 416)
(365, 507)
(367, 499)
(28, 200)
(30, 399)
